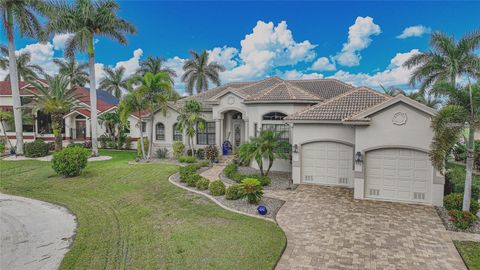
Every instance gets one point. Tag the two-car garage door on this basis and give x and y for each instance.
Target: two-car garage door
(398, 174)
(328, 163)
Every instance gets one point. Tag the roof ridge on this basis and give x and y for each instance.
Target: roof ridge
(258, 82)
(302, 90)
(267, 90)
(373, 90)
(324, 79)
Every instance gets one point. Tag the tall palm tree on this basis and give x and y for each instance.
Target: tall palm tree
(198, 72)
(74, 71)
(57, 99)
(462, 111)
(157, 90)
(25, 69)
(446, 60)
(189, 119)
(114, 81)
(22, 14)
(85, 19)
(155, 65)
(133, 102)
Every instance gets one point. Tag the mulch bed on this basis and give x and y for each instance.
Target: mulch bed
(444, 216)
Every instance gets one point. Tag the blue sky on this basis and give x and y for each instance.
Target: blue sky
(357, 42)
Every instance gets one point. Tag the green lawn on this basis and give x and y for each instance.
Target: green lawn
(470, 252)
(130, 216)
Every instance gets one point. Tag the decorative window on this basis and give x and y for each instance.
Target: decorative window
(144, 126)
(177, 134)
(160, 132)
(274, 116)
(237, 116)
(207, 135)
(283, 130)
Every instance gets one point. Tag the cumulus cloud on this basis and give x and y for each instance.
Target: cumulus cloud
(394, 74)
(359, 38)
(299, 75)
(224, 56)
(59, 41)
(131, 65)
(414, 31)
(42, 55)
(176, 63)
(323, 64)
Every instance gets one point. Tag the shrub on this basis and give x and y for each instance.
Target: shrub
(230, 170)
(139, 146)
(202, 183)
(37, 148)
(233, 192)
(187, 159)
(186, 171)
(70, 161)
(2, 147)
(87, 144)
(264, 180)
(51, 146)
(73, 144)
(192, 179)
(200, 154)
(211, 153)
(178, 149)
(455, 177)
(204, 164)
(217, 188)
(454, 201)
(128, 142)
(462, 219)
(252, 190)
(162, 153)
(103, 140)
(189, 152)
(111, 144)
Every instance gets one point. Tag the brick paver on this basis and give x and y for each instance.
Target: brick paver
(327, 229)
(213, 173)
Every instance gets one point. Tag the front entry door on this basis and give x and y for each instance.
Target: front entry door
(80, 130)
(237, 134)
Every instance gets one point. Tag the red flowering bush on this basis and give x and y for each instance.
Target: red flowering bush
(462, 219)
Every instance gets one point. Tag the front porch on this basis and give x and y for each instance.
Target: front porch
(232, 127)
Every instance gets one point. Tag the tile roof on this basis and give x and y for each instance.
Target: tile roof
(283, 91)
(342, 106)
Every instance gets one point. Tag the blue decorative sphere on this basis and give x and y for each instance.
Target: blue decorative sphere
(262, 210)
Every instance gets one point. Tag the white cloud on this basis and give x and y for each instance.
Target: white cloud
(414, 31)
(176, 63)
(358, 39)
(224, 56)
(131, 65)
(323, 64)
(394, 74)
(298, 75)
(59, 41)
(42, 55)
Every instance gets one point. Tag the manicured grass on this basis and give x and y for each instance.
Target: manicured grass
(131, 217)
(470, 252)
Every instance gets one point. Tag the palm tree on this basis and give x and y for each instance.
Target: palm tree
(461, 112)
(198, 71)
(73, 70)
(133, 102)
(189, 119)
(114, 81)
(113, 127)
(267, 146)
(26, 70)
(85, 19)
(446, 60)
(20, 13)
(57, 99)
(157, 91)
(6, 117)
(155, 65)
(392, 91)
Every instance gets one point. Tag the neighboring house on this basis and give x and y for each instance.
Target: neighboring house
(77, 123)
(330, 124)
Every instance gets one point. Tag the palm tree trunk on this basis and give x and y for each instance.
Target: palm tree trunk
(5, 134)
(93, 98)
(270, 164)
(467, 193)
(17, 111)
(142, 146)
(150, 142)
(57, 130)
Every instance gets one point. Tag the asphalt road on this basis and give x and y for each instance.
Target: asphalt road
(33, 234)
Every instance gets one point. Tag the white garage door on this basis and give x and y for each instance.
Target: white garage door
(398, 174)
(327, 163)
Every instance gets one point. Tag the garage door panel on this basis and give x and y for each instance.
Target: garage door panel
(327, 163)
(398, 174)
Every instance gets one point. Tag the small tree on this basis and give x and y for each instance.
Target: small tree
(189, 119)
(114, 127)
(133, 103)
(267, 146)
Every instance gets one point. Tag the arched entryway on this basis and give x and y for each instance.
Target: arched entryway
(234, 128)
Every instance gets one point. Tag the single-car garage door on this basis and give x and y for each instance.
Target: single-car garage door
(327, 163)
(398, 174)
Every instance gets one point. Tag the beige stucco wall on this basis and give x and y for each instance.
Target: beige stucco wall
(383, 133)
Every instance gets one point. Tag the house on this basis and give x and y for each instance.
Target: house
(77, 122)
(341, 135)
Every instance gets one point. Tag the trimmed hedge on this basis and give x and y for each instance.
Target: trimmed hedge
(70, 161)
(37, 148)
(192, 179)
(202, 183)
(454, 201)
(233, 192)
(231, 171)
(187, 159)
(217, 188)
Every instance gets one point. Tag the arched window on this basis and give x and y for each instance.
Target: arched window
(177, 134)
(274, 116)
(160, 132)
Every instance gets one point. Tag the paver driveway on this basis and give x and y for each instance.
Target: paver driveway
(327, 229)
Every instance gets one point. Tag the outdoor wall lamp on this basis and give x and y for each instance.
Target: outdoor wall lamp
(295, 148)
(358, 157)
